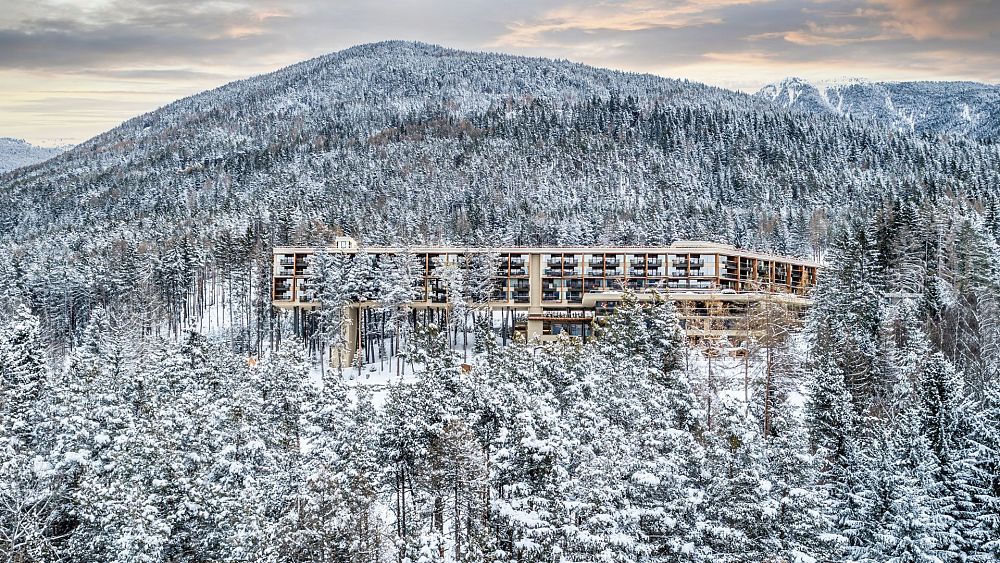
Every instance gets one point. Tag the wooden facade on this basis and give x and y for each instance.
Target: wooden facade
(554, 290)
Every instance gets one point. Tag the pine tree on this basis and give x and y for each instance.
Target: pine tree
(335, 288)
(985, 533)
(314, 527)
(801, 527)
(30, 493)
(831, 423)
(741, 509)
(944, 422)
(22, 382)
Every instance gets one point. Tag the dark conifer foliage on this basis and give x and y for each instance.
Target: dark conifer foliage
(154, 407)
(407, 142)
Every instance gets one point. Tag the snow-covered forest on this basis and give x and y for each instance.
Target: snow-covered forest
(965, 109)
(15, 153)
(135, 274)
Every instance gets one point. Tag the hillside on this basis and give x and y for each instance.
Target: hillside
(15, 153)
(407, 142)
(965, 109)
(410, 141)
(155, 406)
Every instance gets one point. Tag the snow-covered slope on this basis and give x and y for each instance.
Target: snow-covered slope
(967, 109)
(403, 143)
(15, 153)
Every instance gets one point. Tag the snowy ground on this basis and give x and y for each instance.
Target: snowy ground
(734, 379)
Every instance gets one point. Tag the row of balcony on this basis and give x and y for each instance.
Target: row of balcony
(570, 296)
(503, 272)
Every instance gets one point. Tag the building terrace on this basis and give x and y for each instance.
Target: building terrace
(547, 291)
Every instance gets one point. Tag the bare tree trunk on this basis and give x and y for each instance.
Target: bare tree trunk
(457, 524)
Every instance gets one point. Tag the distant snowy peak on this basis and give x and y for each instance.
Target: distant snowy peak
(967, 109)
(15, 153)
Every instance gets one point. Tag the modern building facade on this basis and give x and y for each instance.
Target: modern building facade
(548, 291)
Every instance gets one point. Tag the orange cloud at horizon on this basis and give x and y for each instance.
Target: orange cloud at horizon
(91, 66)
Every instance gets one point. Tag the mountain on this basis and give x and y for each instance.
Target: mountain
(410, 141)
(351, 124)
(15, 153)
(155, 405)
(967, 109)
(400, 142)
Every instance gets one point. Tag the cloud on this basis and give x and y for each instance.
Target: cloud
(619, 16)
(160, 50)
(934, 19)
(126, 33)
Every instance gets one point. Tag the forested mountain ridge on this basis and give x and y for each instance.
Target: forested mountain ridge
(15, 153)
(407, 142)
(361, 95)
(155, 407)
(964, 109)
(352, 135)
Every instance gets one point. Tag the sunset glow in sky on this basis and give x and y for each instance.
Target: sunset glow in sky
(70, 69)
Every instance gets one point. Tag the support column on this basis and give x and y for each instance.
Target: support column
(534, 295)
(353, 319)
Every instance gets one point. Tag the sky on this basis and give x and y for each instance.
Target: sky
(70, 69)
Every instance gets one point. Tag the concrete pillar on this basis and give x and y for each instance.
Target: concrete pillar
(534, 295)
(353, 315)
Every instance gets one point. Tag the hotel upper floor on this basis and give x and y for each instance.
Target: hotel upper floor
(554, 276)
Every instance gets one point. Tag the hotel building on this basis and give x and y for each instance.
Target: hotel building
(547, 291)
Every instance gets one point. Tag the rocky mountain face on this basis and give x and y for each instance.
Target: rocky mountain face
(965, 109)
